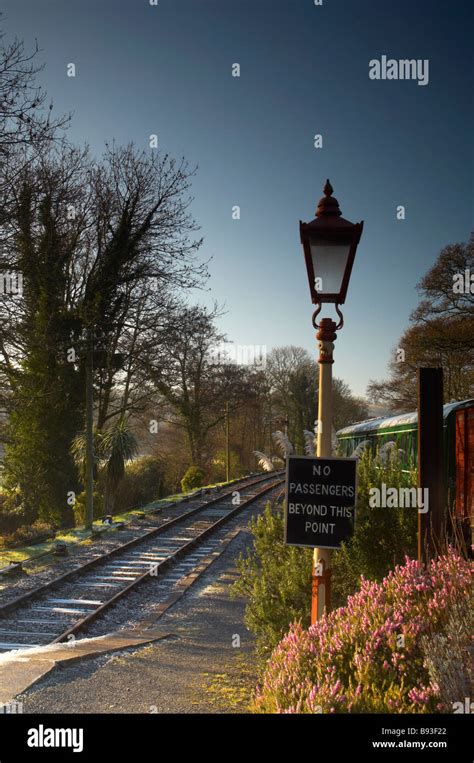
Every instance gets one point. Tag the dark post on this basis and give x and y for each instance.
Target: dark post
(89, 431)
(227, 443)
(430, 461)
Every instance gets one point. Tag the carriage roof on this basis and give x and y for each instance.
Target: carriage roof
(400, 420)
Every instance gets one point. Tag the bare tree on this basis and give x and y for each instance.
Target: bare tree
(27, 126)
(441, 333)
(194, 378)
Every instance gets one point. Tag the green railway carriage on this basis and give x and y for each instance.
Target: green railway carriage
(401, 431)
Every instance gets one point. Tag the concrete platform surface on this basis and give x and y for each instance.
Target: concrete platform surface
(22, 668)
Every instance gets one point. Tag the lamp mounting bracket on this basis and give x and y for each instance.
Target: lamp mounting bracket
(319, 326)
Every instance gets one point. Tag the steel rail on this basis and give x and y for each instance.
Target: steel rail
(163, 565)
(95, 533)
(10, 606)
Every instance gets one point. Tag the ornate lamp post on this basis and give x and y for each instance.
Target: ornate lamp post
(329, 244)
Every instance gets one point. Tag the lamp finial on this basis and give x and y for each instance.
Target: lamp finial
(328, 189)
(328, 206)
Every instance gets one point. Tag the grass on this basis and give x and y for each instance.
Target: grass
(231, 691)
(79, 535)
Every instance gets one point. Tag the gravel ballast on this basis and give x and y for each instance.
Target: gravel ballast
(205, 665)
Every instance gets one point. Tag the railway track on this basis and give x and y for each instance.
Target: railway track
(130, 531)
(68, 604)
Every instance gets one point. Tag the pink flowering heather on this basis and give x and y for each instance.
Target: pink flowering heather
(366, 656)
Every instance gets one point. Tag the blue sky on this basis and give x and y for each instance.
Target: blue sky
(142, 69)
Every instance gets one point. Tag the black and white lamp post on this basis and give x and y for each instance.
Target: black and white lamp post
(329, 244)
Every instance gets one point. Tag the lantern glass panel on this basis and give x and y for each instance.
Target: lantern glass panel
(329, 264)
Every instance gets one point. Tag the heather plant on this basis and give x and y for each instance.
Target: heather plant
(368, 656)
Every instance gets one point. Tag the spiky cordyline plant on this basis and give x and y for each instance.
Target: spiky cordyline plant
(78, 452)
(120, 445)
(112, 449)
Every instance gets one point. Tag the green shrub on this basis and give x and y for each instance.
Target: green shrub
(13, 514)
(11, 520)
(193, 478)
(275, 579)
(27, 534)
(217, 468)
(142, 483)
(79, 508)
